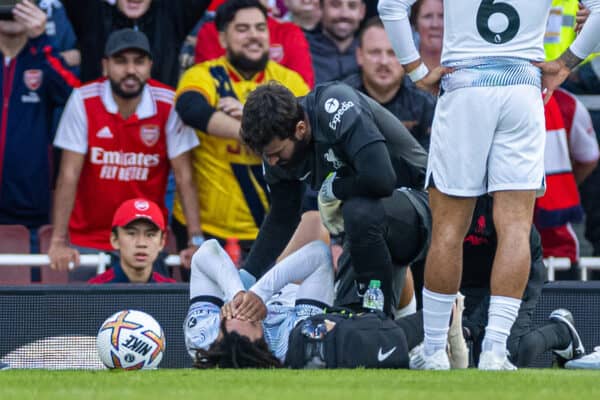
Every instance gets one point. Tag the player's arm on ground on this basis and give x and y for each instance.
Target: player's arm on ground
(71, 137)
(299, 267)
(214, 274)
(181, 139)
(215, 279)
(278, 226)
(197, 105)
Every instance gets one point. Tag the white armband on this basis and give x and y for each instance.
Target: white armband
(418, 73)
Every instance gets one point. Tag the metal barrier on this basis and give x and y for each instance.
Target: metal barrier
(102, 260)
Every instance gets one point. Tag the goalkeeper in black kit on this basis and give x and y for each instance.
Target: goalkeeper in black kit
(367, 168)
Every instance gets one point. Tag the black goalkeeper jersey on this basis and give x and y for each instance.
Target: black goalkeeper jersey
(342, 122)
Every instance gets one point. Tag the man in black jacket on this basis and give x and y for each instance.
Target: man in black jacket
(356, 154)
(165, 23)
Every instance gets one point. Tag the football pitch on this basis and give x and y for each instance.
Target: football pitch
(306, 385)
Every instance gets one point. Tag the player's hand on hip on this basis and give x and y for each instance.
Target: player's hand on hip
(62, 257)
(554, 74)
(252, 308)
(31, 16)
(431, 82)
(185, 256)
(580, 17)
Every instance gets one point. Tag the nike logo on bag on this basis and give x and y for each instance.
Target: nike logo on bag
(381, 357)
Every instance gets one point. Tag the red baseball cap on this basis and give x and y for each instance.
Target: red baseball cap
(134, 209)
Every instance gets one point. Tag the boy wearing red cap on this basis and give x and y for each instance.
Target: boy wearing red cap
(138, 233)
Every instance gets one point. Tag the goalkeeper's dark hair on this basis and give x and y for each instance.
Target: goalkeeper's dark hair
(236, 351)
(271, 111)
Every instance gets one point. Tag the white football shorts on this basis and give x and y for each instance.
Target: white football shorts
(488, 139)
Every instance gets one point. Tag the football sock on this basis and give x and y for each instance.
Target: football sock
(502, 314)
(408, 309)
(437, 308)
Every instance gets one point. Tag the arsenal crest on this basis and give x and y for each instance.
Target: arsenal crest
(33, 79)
(141, 205)
(276, 52)
(150, 134)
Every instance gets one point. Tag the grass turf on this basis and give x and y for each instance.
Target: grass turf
(305, 385)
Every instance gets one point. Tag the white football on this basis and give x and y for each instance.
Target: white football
(131, 339)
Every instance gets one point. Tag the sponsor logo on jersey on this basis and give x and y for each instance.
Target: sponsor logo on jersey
(31, 97)
(332, 105)
(149, 134)
(33, 78)
(337, 118)
(121, 166)
(276, 52)
(104, 133)
(332, 158)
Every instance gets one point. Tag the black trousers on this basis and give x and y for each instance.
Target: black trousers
(525, 342)
(382, 236)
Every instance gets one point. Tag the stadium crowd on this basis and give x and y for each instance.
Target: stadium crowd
(113, 106)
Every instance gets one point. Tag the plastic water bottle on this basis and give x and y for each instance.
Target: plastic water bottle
(373, 299)
(232, 247)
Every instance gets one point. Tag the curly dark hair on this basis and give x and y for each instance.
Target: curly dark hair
(236, 351)
(271, 111)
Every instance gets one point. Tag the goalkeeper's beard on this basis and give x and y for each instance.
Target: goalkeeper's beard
(301, 147)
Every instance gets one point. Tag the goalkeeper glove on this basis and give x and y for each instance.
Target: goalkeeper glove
(330, 207)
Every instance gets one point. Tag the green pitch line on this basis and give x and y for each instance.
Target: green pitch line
(301, 385)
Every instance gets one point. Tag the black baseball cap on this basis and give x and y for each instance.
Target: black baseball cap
(126, 39)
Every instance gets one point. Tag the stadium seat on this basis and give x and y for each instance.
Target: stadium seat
(14, 239)
(48, 275)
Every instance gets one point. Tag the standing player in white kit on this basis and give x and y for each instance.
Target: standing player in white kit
(487, 137)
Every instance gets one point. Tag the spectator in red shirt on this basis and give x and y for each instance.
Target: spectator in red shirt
(138, 233)
(288, 47)
(119, 137)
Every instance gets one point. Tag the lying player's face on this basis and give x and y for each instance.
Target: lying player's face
(341, 18)
(380, 67)
(303, 7)
(139, 244)
(133, 8)
(128, 72)
(430, 25)
(252, 330)
(246, 40)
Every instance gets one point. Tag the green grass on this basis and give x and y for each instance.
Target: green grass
(305, 385)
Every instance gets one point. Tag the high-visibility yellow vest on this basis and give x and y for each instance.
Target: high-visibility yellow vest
(560, 30)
